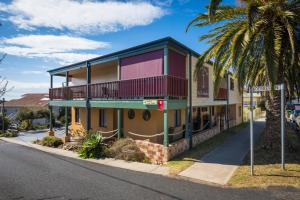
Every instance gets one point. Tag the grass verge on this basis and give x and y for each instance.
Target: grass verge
(267, 167)
(188, 158)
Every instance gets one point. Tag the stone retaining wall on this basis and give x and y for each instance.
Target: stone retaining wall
(159, 154)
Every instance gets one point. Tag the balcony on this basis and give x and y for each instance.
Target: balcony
(222, 94)
(158, 86)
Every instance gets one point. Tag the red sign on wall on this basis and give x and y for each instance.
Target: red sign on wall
(160, 105)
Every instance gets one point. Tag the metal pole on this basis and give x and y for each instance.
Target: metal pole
(3, 128)
(251, 133)
(282, 127)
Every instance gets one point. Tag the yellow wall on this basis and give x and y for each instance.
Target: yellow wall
(154, 126)
(79, 127)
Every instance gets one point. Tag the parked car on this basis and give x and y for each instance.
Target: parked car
(294, 114)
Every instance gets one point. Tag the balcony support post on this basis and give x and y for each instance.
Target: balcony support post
(166, 72)
(66, 109)
(227, 101)
(50, 132)
(190, 124)
(88, 96)
(166, 129)
(120, 132)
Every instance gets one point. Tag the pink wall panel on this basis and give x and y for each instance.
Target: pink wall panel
(177, 64)
(144, 65)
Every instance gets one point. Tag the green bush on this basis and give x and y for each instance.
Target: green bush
(6, 123)
(26, 124)
(24, 114)
(50, 141)
(36, 127)
(126, 149)
(92, 146)
(10, 133)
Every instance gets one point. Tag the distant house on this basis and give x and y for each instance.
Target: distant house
(34, 101)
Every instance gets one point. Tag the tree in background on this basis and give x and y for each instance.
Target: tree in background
(259, 43)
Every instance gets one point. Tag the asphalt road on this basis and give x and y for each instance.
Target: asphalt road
(27, 173)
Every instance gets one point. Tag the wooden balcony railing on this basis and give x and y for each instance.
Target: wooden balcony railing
(158, 86)
(222, 94)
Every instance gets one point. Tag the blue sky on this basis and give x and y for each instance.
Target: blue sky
(38, 35)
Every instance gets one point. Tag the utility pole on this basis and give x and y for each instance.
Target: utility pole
(3, 100)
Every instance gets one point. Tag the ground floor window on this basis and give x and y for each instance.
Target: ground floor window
(77, 115)
(212, 110)
(177, 118)
(240, 111)
(102, 118)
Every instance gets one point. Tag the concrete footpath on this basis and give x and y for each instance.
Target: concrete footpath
(219, 165)
(135, 166)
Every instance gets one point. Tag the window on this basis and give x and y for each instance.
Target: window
(212, 110)
(204, 109)
(102, 118)
(203, 82)
(177, 118)
(240, 111)
(77, 115)
(146, 115)
(131, 114)
(231, 84)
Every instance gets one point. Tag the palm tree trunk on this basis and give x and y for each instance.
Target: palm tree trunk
(272, 132)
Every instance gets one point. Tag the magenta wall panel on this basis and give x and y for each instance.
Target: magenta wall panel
(141, 66)
(177, 64)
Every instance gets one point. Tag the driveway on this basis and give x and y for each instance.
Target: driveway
(26, 173)
(30, 136)
(219, 165)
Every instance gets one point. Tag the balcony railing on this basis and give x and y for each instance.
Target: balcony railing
(158, 86)
(222, 94)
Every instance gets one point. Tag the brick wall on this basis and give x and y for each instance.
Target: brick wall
(159, 154)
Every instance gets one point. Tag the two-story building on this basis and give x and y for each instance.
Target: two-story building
(148, 93)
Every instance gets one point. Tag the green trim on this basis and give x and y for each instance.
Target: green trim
(68, 103)
(166, 129)
(169, 104)
(172, 104)
(138, 104)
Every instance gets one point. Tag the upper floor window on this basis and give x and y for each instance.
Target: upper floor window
(102, 118)
(203, 82)
(77, 115)
(177, 118)
(231, 84)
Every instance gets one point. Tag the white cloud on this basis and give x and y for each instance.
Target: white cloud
(63, 49)
(82, 16)
(35, 72)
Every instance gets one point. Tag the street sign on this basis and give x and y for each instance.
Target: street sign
(282, 119)
(265, 88)
(150, 102)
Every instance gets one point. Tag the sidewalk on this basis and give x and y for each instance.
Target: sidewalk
(135, 166)
(219, 165)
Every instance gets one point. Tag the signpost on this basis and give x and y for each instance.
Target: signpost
(282, 130)
(2, 102)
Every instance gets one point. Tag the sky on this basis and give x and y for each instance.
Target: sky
(39, 35)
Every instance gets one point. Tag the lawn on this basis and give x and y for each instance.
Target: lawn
(267, 166)
(186, 159)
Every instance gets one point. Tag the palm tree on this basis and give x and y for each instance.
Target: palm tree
(258, 42)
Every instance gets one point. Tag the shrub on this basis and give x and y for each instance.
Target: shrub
(92, 146)
(10, 133)
(126, 149)
(26, 124)
(6, 123)
(50, 141)
(36, 127)
(24, 114)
